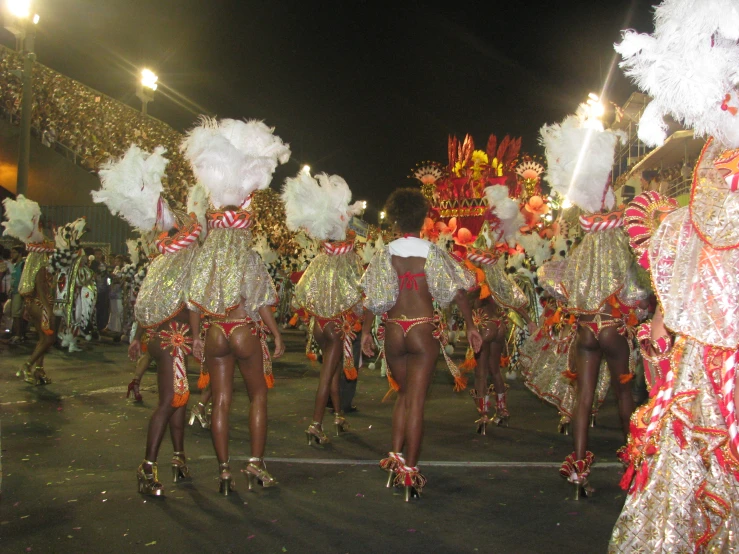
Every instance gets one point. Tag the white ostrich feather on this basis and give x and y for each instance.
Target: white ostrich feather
(232, 159)
(579, 161)
(536, 248)
(132, 246)
(132, 188)
(319, 205)
(22, 219)
(688, 66)
(515, 261)
(506, 210)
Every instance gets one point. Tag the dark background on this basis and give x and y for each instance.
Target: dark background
(362, 89)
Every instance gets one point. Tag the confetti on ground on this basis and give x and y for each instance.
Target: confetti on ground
(150, 543)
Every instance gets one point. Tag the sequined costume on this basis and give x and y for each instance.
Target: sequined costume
(329, 292)
(36, 260)
(444, 277)
(545, 356)
(227, 273)
(163, 296)
(683, 478)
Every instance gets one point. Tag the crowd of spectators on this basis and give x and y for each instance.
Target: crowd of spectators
(89, 125)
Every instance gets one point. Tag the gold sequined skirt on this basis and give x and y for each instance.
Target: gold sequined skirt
(330, 285)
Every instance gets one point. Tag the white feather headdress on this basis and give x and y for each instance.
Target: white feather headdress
(319, 205)
(232, 159)
(22, 217)
(579, 161)
(688, 66)
(132, 188)
(507, 215)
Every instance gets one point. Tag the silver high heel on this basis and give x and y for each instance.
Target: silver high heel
(256, 472)
(226, 483)
(340, 423)
(180, 471)
(198, 412)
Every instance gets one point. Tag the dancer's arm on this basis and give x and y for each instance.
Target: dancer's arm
(367, 342)
(134, 349)
(197, 342)
(473, 335)
(268, 317)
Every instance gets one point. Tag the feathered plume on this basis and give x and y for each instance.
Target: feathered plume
(22, 217)
(506, 217)
(320, 205)
(579, 161)
(232, 159)
(690, 67)
(132, 188)
(133, 251)
(537, 248)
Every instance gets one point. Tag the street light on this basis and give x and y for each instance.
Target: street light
(382, 218)
(306, 168)
(146, 87)
(23, 27)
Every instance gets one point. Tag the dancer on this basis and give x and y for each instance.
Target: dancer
(229, 285)
(36, 284)
(132, 188)
(498, 294)
(545, 355)
(599, 281)
(329, 288)
(683, 454)
(401, 283)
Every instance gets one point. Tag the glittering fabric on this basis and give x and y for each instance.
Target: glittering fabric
(551, 275)
(504, 290)
(543, 360)
(697, 286)
(600, 267)
(228, 272)
(330, 285)
(689, 501)
(34, 262)
(714, 210)
(444, 277)
(162, 294)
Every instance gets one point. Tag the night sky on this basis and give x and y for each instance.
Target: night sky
(356, 88)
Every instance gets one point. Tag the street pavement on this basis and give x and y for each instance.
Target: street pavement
(70, 451)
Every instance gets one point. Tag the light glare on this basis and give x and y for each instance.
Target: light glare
(35, 19)
(149, 79)
(306, 168)
(19, 8)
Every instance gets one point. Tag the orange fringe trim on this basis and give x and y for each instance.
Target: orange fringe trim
(351, 373)
(388, 394)
(393, 383)
(469, 363)
(311, 356)
(633, 321)
(569, 375)
(270, 379)
(293, 320)
(505, 361)
(180, 400)
(623, 379)
(460, 383)
(203, 380)
(49, 332)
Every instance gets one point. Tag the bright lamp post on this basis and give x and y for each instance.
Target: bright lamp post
(146, 86)
(22, 24)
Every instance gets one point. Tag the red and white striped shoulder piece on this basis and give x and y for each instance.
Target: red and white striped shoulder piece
(484, 257)
(230, 219)
(642, 217)
(601, 222)
(43, 247)
(338, 247)
(185, 238)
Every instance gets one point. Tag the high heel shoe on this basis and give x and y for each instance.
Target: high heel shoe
(577, 473)
(133, 387)
(592, 419)
(226, 483)
(198, 412)
(315, 432)
(411, 479)
(391, 464)
(180, 471)
(149, 482)
(340, 423)
(41, 377)
(501, 409)
(563, 427)
(36, 377)
(256, 472)
(482, 403)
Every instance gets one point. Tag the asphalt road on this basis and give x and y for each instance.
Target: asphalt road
(70, 451)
